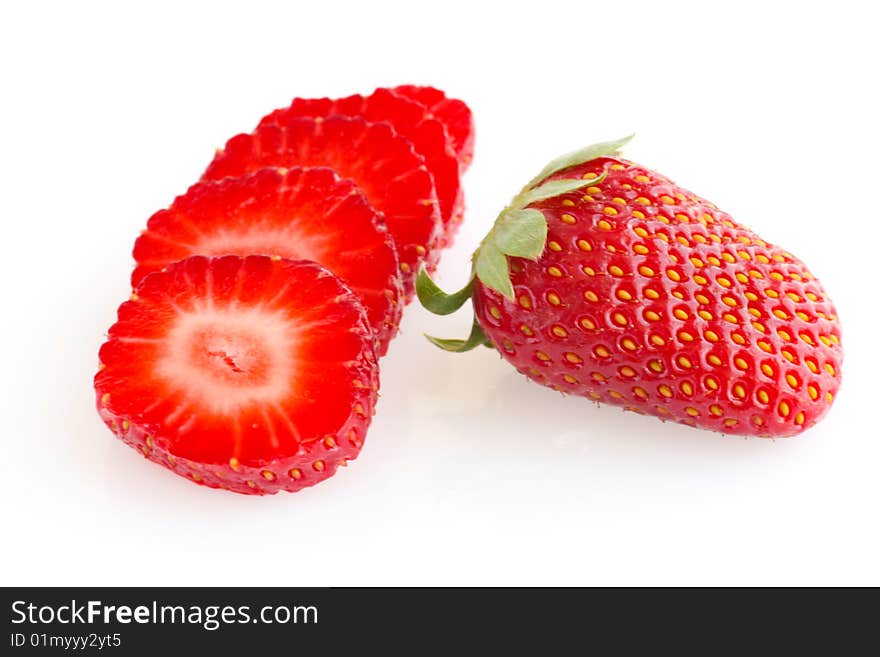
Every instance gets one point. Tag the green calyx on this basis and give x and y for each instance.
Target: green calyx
(519, 232)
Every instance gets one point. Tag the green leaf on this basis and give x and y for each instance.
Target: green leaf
(475, 339)
(555, 188)
(491, 267)
(580, 156)
(436, 300)
(521, 233)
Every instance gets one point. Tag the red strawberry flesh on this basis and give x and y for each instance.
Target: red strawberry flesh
(411, 120)
(308, 214)
(249, 374)
(453, 113)
(379, 161)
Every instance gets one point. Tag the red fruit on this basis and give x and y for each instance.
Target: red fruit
(453, 113)
(379, 161)
(646, 296)
(409, 119)
(305, 214)
(251, 374)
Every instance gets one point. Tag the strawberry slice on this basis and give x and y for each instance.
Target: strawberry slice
(453, 113)
(382, 163)
(410, 119)
(303, 214)
(251, 374)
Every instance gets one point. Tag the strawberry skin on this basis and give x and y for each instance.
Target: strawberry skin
(383, 164)
(252, 374)
(299, 214)
(410, 119)
(645, 296)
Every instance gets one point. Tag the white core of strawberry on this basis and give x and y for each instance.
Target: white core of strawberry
(228, 359)
(291, 244)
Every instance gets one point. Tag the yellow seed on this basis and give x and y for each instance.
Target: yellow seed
(729, 301)
(569, 378)
(567, 219)
(623, 295)
(589, 271)
(673, 275)
(759, 326)
(687, 388)
(730, 423)
(784, 409)
(814, 367)
(684, 362)
(559, 331)
(829, 397)
(525, 302)
(701, 280)
(593, 189)
(785, 335)
(651, 316)
(595, 395)
(618, 200)
(602, 352)
(640, 392)
(268, 475)
(655, 366)
(716, 410)
(540, 355)
(791, 380)
(584, 245)
(738, 338)
(714, 360)
(814, 392)
(667, 200)
(781, 314)
(627, 371)
(763, 397)
(591, 296)
(662, 236)
(651, 293)
(754, 312)
(739, 391)
(830, 368)
(705, 314)
(776, 276)
(724, 281)
(614, 270)
(318, 466)
(684, 336)
(711, 335)
(768, 370)
(644, 270)
(711, 383)
(619, 319)
(234, 464)
(802, 315)
(681, 314)
(681, 239)
(696, 262)
(765, 346)
(733, 319)
(526, 330)
(555, 272)
(693, 412)
(727, 257)
(638, 214)
(573, 358)
(641, 249)
(789, 356)
(603, 225)
(495, 312)
(597, 376)
(682, 217)
(740, 363)
(569, 203)
(295, 473)
(588, 324)
(657, 340)
(615, 394)
(629, 344)
(554, 246)
(618, 167)
(665, 390)
(642, 178)
(799, 418)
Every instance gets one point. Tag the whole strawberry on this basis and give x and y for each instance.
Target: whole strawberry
(606, 280)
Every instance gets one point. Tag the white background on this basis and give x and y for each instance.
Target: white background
(470, 474)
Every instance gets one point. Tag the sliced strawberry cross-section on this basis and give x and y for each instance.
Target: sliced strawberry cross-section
(252, 374)
(307, 214)
(382, 163)
(409, 119)
(453, 113)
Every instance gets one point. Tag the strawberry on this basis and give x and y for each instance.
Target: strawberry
(252, 374)
(409, 119)
(452, 113)
(308, 214)
(382, 163)
(607, 280)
